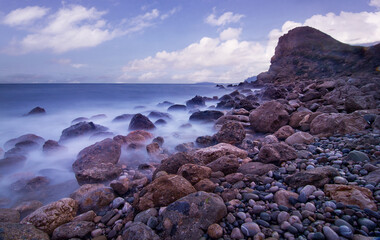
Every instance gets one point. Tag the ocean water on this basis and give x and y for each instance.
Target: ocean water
(65, 102)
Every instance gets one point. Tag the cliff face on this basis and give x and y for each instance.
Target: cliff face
(307, 53)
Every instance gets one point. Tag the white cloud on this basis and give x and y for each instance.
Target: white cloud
(230, 33)
(68, 62)
(375, 3)
(24, 16)
(224, 19)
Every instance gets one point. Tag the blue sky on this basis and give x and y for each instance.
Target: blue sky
(169, 41)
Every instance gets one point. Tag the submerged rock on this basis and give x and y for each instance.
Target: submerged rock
(206, 116)
(81, 129)
(24, 138)
(36, 111)
(140, 122)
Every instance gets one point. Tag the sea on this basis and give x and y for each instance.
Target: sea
(100, 103)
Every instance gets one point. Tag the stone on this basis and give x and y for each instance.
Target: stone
(81, 129)
(16, 231)
(36, 111)
(140, 122)
(308, 190)
(330, 234)
(250, 229)
(205, 185)
(177, 107)
(206, 116)
(145, 215)
(190, 216)
(9, 215)
(120, 186)
(30, 185)
(73, 230)
(139, 231)
(51, 216)
(317, 177)
(98, 162)
(52, 146)
(87, 216)
(27, 207)
(231, 132)
(174, 162)
(373, 176)
(269, 117)
(157, 115)
(215, 231)
(153, 149)
(210, 154)
(194, 173)
(282, 197)
(357, 156)
(96, 199)
(351, 195)
(300, 138)
(284, 132)
(24, 138)
(134, 137)
(237, 234)
(185, 147)
(123, 117)
(196, 102)
(234, 178)
(277, 153)
(369, 224)
(282, 217)
(226, 164)
(163, 191)
(345, 231)
(357, 102)
(256, 168)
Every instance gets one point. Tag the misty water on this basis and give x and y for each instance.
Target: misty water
(100, 103)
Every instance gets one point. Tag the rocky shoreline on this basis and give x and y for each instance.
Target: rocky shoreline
(297, 159)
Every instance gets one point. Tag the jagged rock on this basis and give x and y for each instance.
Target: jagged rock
(195, 102)
(210, 154)
(318, 177)
(231, 132)
(140, 122)
(269, 117)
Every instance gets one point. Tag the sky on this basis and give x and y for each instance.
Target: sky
(166, 41)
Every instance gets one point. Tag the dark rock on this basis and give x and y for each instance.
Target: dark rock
(195, 102)
(277, 153)
(16, 231)
(256, 168)
(81, 129)
(35, 111)
(52, 146)
(24, 138)
(373, 176)
(140, 122)
(206, 116)
(29, 185)
(139, 231)
(156, 114)
(231, 132)
(269, 117)
(318, 177)
(194, 173)
(206, 141)
(161, 122)
(353, 103)
(9, 215)
(174, 162)
(177, 107)
(96, 199)
(73, 230)
(78, 120)
(226, 164)
(123, 117)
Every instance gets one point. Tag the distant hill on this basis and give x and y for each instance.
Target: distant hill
(205, 83)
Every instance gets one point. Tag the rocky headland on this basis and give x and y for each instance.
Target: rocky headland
(295, 155)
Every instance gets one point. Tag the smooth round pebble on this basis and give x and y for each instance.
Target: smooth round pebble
(345, 231)
(250, 229)
(215, 231)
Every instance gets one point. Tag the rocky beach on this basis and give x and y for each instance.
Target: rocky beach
(293, 155)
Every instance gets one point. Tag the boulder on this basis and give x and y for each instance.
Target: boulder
(357, 102)
(206, 116)
(9, 215)
(52, 146)
(78, 194)
(351, 195)
(282, 197)
(134, 137)
(318, 177)
(373, 177)
(140, 122)
(269, 117)
(232, 118)
(256, 168)
(210, 154)
(205, 185)
(30, 185)
(24, 208)
(24, 138)
(53, 215)
(357, 156)
(300, 138)
(231, 132)
(96, 199)
(120, 186)
(190, 216)
(194, 173)
(139, 231)
(284, 132)
(226, 164)
(78, 229)
(98, 162)
(311, 94)
(16, 231)
(177, 107)
(277, 153)
(81, 129)
(123, 117)
(174, 162)
(36, 111)
(158, 115)
(196, 102)
(11, 163)
(163, 191)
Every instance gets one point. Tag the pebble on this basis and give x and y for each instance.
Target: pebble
(330, 234)
(345, 231)
(369, 224)
(241, 215)
(215, 231)
(237, 234)
(340, 180)
(282, 217)
(310, 207)
(250, 229)
(117, 202)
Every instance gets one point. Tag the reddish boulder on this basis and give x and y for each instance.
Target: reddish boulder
(194, 173)
(269, 117)
(210, 154)
(226, 164)
(318, 177)
(140, 122)
(96, 199)
(231, 132)
(277, 153)
(205, 185)
(134, 137)
(300, 138)
(174, 162)
(284, 132)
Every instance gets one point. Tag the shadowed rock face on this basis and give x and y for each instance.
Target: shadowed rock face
(307, 53)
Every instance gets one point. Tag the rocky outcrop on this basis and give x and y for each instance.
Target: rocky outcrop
(196, 102)
(307, 53)
(269, 117)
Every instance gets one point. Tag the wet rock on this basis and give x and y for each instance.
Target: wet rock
(120, 186)
(24, 138)
(177, 107)
(96, 199)
(123, 117)
(351, 195)
(194, 173)
(185, 147)
(190, 216)
(161, 122)
(163, 191)
(205, 185)
(226, 164)
(52, 146)
(373, 176)
(139, 231)
(357, 102)
(134, 137)
(206, 141)
(98, 162)
(330, 234)
(300, 138)
(250, 229)
(277, 153)
(140, 122)
(16, 231)
(210, 154)
(232, 133)
(195, 102)
(153, 149)
(206, 116)
(318, 177)
(81, 129)
(29, 185)
(284, 132)
(256, 168)
(269, 117)
(51, 216)
(156, 115)
(357, 156)
(174, 162)
(73, 230)
(9, 215)
(282, 197)
(36, 111)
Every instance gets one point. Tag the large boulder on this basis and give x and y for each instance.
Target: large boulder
(81, 129)
(277, 153)
(139, 231)
(206, 116)
(174, 162)
(134, 137)
(231, 132)
(318, 177)
(53, 215)
(140, 122)
(284, 132)
(98, 162)
(269, 117)
(190, 216)
(226, 164)
(196, 102)
(96, 199)
(163, 191)
(355, 102)
(256, 168)
(17, 231)
(24, 138)
(194, 173)
(77, 229)
(210, 154)
(351, 195)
